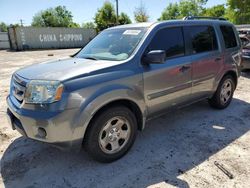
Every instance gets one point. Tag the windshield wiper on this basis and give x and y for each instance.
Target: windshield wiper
(92, 58)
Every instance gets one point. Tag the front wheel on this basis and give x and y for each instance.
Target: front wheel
(111, 134)
(224, 93)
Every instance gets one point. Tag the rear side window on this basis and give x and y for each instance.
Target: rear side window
(203, 38)
(170, 40)
(229, 36)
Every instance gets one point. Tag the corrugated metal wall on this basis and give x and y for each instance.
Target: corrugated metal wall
(4, 40)
(23, 38)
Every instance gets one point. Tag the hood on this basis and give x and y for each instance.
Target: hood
(63, 69)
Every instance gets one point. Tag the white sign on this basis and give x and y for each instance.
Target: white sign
(131, 32)
(47, 37)
(70, 37)
(61, 37)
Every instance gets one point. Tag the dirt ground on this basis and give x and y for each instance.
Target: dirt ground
(175, 150)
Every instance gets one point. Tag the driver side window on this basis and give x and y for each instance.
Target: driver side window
(170, 40)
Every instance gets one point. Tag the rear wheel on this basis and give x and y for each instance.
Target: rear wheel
(224, 93)
(111, 134)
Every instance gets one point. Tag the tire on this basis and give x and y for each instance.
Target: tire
(111, 134)
(224, 93)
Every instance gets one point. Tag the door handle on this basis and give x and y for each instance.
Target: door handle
(217, 59)
(184, 68)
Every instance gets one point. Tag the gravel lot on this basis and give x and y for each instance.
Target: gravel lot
(175, 150)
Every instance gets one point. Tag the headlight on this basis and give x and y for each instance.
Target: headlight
(39, 91)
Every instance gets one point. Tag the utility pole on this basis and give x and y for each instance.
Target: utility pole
(117, 13)
(21, 21)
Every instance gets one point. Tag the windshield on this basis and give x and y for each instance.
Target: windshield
(114, 44)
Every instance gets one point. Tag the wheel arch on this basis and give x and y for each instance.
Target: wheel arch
(131, 105)
(128, 97)
(119, 102)
(234, 76)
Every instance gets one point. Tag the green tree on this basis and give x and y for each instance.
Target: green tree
(230, 15)
(15, 25)
(141, 14)
(182, 9)
(215, 11)
(89, 25)
(74, 25)
(238, 12)
(191, 7)
(124, 19)
(54, 17)
(3, 27)
(105, 16)
(170, 12)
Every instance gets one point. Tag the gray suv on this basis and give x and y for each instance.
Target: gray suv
(101, 96)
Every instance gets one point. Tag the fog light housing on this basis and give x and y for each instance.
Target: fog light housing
(42, 132)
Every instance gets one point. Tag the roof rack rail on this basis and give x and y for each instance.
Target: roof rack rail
(203, 17)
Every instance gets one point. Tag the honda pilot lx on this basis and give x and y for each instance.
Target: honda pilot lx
(100, 97)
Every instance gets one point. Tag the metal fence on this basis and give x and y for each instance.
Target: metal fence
(4, 40)
(22, 38)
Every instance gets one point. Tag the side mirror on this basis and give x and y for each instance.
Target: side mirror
(155, 57)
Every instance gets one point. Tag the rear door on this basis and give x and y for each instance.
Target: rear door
(207, 60)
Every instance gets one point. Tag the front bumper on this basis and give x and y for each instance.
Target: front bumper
(59, 126)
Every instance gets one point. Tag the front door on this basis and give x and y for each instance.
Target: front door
(169, 84)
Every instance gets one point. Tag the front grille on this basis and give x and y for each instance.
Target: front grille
(18, 87)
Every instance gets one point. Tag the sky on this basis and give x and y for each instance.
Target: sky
(11, 11)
